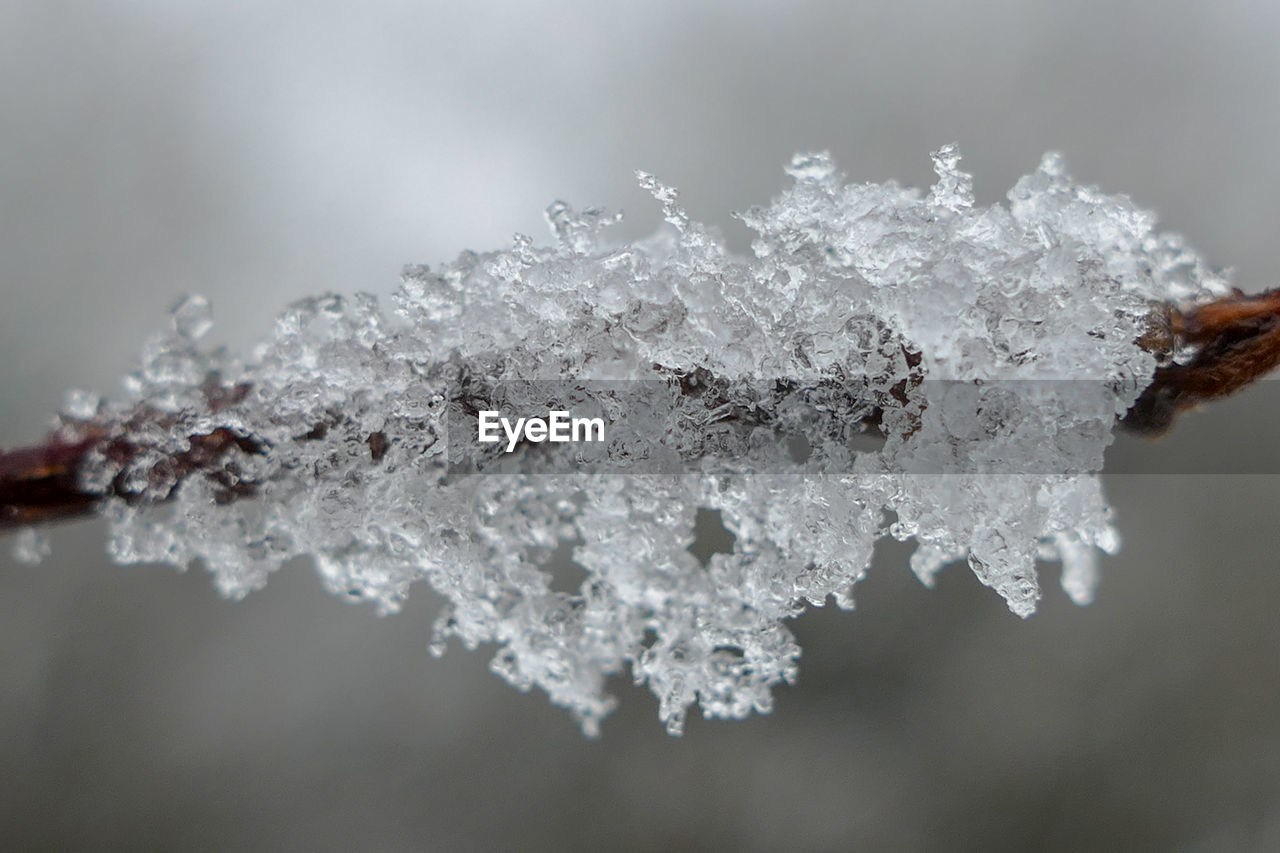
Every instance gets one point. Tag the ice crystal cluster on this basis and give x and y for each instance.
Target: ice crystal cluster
(987, 350)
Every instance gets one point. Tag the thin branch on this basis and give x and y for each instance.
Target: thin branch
(1235, 340)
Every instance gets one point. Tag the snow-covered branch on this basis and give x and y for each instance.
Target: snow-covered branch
(988, 351)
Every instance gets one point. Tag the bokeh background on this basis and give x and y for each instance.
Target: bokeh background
(257, 152)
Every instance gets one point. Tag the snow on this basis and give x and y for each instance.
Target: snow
(988, 349)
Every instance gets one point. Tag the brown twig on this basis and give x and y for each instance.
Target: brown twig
(1235, 341)
(41, 483)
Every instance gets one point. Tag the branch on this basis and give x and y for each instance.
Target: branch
(346, 437)
(1236, 341)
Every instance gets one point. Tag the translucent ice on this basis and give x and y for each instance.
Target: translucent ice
(30, 546)
(887, 362)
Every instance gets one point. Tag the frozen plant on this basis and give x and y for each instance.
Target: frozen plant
(988, 351)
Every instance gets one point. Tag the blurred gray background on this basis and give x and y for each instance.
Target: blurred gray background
(256, 152)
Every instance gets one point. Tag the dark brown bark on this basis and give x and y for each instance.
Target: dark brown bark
(1236, 340)
(41, 483)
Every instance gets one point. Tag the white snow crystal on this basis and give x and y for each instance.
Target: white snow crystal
(30, 546)
(988, 350)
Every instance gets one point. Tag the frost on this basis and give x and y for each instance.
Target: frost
(80, 405)
(192, 317)
(30, 546)
(887, 362)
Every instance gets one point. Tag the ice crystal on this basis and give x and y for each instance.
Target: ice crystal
(30, 546)
(988, 350)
